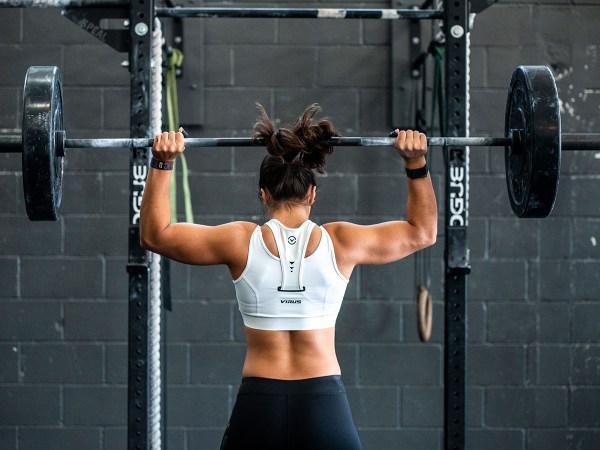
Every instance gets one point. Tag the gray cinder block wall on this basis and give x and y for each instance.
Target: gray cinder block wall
(534, 290)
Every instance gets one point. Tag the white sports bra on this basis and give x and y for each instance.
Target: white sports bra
(290, 292)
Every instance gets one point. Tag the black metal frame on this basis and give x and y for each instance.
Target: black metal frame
(457, 264)
(456, 251)
(141, 17)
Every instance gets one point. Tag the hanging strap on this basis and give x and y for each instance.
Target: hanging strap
(291, 245)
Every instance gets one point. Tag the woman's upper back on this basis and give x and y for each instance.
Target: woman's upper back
(290, 280)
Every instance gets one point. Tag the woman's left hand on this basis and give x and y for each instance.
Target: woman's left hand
(167, 146)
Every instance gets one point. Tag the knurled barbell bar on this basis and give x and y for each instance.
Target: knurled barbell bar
(532, 142)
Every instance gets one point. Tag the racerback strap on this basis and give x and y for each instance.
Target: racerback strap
(291, 245)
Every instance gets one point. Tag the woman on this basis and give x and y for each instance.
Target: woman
(290, 277)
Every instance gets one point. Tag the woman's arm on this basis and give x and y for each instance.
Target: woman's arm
(184, 242)
(391, 241)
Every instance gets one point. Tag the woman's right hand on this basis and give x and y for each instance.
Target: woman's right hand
(411, 145)
(167, 146)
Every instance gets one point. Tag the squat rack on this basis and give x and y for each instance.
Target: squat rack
(137, 41)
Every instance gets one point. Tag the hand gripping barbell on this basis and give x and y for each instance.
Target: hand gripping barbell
(532, 142)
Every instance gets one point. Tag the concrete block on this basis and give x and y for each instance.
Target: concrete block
(82, 108)
(375, 406)
(477, 322)
(422, 407)
(115, 111)
(586, 365)
(9, 366)
(8, 437)
(583, 192)
(336, 195)
(62, 363)
(488, 196)
(498, 439)
(319, 32)
(61, 438)
(211, 282)
(9, 277)
(586, 239)
(375, 113)
(377, 32)
(337, 104)
(511, 323)
(370, 322)
(110, 405)
(30, 405)
(79, 58)
(114, 195)
(386, 364)
(584, 407)
(234, 112)
(516, 18)
(217, 363)
(249, 64)
(97, 235)
(61, 278)
(205, 438)
(554, 322)
(218, 66)
(82, 193)
(117, 279)
(394, 280)
(513, 238)
(562, 439)
(11, 31)
(237, 31)
(553, 364)
(587, 280)
(223, 200)
(487, 108)
(555, 238)
(510, 280)
(382, 195)
(116, 363)
(496, 365)
(537, 407)
(93, 321)
(398, 439)
(361, 66)
(24, 56)
(555, 280)
(347, 355)
(42, 25)
(585, 325)
(199, 320)
(15, 316)
(193, 406)
(22, 237)
(474, 407)
(10, 107)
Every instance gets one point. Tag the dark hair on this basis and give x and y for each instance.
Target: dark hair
(287, 172)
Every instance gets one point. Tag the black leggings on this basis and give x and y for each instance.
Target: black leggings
(311, 414)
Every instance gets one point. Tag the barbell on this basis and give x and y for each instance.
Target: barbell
(533, 142)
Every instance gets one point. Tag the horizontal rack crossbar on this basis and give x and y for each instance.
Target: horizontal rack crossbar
(300, 13)
(241, 12)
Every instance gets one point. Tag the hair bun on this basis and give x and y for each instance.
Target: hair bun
(303, 143)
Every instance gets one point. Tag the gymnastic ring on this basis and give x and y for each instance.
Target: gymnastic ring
(424, 313)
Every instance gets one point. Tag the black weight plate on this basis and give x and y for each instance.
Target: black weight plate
(42, 167)
(533, 162)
